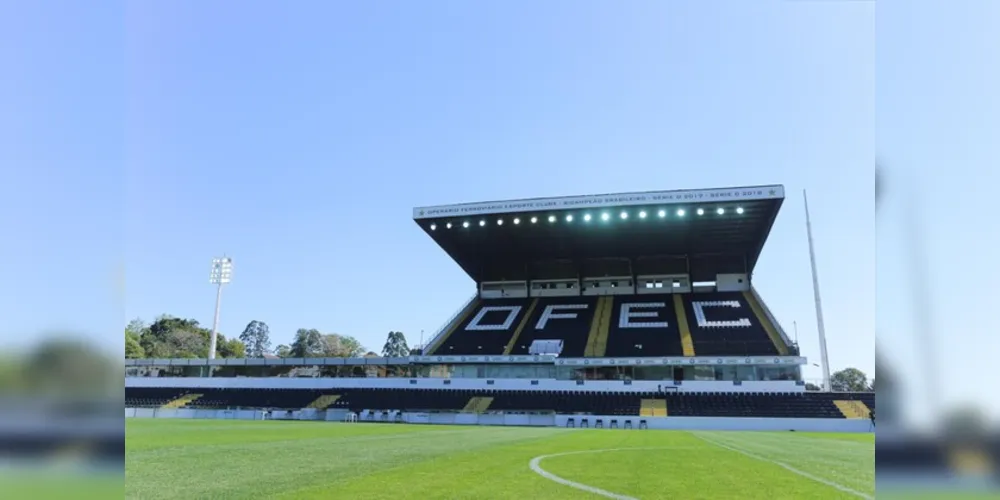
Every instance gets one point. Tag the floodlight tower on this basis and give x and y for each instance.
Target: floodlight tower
(222, 274)
(824, 357)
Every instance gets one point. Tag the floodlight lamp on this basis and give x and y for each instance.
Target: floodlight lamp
(720, 210)
(586, 217)
(534, 220)
(448, 225)
(681, 212)
(465, 224)
(605, 216)
(624, 215)
(222, 271)
(433, 227)
(569, 218)
(499, 222)
(482, 223)
(642, 214)
(517, 221)
(661, 214)
(739, 210)
(552, 218)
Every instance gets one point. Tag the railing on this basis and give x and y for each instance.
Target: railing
(446, 326)
(771, 318)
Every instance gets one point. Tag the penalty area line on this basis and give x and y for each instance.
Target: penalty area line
(787, 467)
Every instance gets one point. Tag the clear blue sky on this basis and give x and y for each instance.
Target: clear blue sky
(297, 137)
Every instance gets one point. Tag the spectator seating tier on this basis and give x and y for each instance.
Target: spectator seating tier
(151, 397)
(643, 325)
(559, 318)
(487, 330)
(719, 324)
(724, 324)
(678, 404)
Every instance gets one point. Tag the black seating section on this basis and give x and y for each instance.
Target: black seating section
(568, 319)
(687, 404)
(721, 324)
(285, 399)
(868, 398)
(749, 404)
(602, 403)
(597, 403)
(643, 325)
(151, 397)
(404, 399)
(487, 330)
(724, 324)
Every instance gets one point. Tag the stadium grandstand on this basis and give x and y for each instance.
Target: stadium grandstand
(627, 310)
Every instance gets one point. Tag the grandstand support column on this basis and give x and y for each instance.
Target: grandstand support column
(222, 273)
(820, 326)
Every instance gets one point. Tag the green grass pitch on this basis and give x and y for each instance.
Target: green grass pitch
(274, 459)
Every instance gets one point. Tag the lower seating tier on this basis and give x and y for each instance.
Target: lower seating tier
(688, 404)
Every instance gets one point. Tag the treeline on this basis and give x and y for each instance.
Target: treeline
(172, 337)
(847, 380)
(60, 364)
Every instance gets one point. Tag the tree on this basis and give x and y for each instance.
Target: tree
(812, 387)
(283, 351)
(395, 346)
(170, 337)
(256, 337)
(371, 354)
(416, 351)
(232, 348)
(342, 346)
(133, 332)
(136, 327)
(133, 350)
(308, 343)
(70, 367)
(871, 386)
(849, 380)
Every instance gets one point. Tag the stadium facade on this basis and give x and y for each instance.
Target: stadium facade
(633, 309)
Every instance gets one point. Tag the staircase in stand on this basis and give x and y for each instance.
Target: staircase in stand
(772, 332)
(597, 340)
(477, 404)
(484, 404)
(653, 408)
(687, 343)
(853, 409)
(181, 402)
(520, 327)
(323, 402)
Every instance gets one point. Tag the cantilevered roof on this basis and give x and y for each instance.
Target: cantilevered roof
(489, 239)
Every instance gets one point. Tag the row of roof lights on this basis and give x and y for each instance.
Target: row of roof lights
(605, 216)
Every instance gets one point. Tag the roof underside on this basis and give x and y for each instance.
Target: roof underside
(669, 232)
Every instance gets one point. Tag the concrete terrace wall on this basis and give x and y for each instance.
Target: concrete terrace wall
(457, 383)
(724, 423)
(661, 423)
(304, 414)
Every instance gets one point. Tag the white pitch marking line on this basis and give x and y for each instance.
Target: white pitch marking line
(534, 465)
(789, 468)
